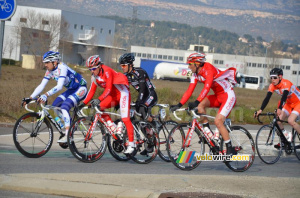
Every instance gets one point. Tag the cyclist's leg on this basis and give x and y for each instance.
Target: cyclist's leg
(205, 103)
(293, 117)
(227, 101)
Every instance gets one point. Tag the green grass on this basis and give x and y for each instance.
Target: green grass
(17, 83)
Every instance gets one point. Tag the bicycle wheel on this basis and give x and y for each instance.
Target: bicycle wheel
(182, 156)
(243, 143)
(147, 142)
(163, 133)
(116, 146)
(296, 143)
(268, 144)
(85, 146)
(33, 137)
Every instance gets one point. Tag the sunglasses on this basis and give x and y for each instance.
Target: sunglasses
(124, 65)
(93, 69)
(274, 77)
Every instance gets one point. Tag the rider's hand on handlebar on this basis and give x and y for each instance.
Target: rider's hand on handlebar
(80, 106)
(175, 107)
(95, 102)
(25, 101)
(42, 98)
(193, 105)
(256, 114)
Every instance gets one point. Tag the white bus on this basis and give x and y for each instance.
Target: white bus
(253, 82)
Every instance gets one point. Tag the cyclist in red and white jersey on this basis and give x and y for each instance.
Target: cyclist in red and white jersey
(116, 92)
(289, 106)
(221, 82)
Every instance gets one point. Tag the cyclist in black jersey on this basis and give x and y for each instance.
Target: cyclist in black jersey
(140, 80)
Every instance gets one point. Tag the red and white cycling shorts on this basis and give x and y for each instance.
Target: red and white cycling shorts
(292, 108)
(226, 101)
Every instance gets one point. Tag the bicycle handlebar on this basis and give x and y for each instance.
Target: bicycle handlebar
(33, 101)
(97, 111)
(193, 112)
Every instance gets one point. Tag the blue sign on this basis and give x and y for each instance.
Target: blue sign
(7, 9)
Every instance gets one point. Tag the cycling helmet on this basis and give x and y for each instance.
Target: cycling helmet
(196, 57)
(276, 72)
(50, 56)
(126, 58)
(93, 61)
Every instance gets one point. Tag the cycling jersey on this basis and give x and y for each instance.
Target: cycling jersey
(213, 78)
(64, 76)
(294, 92)
(140, 80)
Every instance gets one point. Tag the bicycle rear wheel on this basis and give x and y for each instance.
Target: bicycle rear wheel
(296, 143)
(243, 143)
(268, 144)
(85, 146)
(163, 133)
(33, 137)
(182, 156)
(147, 142)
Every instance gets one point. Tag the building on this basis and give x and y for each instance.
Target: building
(249, 65)
(34, 30)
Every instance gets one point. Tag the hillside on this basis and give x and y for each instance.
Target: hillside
(270, 19)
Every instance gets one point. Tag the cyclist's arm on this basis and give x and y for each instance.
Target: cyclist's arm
(142, 85)
(283, 98)
(189, 91)
(266, 100)
(109, 83)
(91, 93)
(60, 82)
(40, 88)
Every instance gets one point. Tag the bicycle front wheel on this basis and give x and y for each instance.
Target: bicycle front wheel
(181, 153)
(163, 133)
(243, 143)
(296, 143)
(268, 144)
(147, 142)
(85, 144)
(33, 136)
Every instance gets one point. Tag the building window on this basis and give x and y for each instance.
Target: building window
(221, 62)
(165, 57)
(81, 27)
(154, 55)
(109, 31)
(265, 65)
(248, 64)
(294, 72)
(259, 65)
(170, 57)
(159, 56)
(181, 58)
(144, 55)
(101, 30)
(282, 66)
(253, 64)
(75, 26)
(44, 22)
(175, 57)
(23, 20)
(148, 55)
(138, 54)
(35, 34)
(288, 67)
(216, 61)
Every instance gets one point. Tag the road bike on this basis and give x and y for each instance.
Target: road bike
(270, 140)
(163, 128)
(90, 136)
(186, 144)
(33, 132)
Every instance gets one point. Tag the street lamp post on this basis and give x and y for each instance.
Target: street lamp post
(156, 47)
(265, 66)
(199, 43)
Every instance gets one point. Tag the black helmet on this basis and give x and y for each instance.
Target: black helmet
(276, 71)
(126, 58)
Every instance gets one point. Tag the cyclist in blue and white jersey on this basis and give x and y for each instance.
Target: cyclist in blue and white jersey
(65, 77)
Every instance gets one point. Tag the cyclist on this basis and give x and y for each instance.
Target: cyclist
(140, 81)
(221, 82)
(289, 106)
(67, 77)
(116, 92)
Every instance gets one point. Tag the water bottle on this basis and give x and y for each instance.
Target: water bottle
(119, 128)
(111, 125)
(216, 134)
(287, 134)
(208, 132)
(59, 122)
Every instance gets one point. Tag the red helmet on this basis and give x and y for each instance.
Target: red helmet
(196, 57)
(93, 61)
